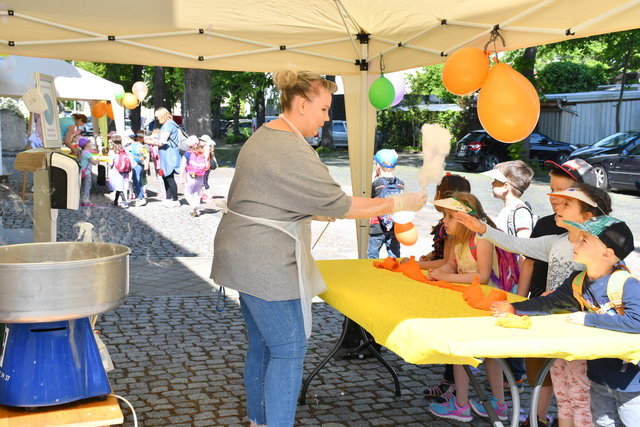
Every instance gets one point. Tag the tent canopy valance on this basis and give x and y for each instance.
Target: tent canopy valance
(254, 35)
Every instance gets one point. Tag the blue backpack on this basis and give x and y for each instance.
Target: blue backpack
(395, 186)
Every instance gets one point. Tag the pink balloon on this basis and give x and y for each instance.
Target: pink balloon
(398, 84)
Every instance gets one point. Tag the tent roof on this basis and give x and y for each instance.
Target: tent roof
(71, 82)
(257, 35)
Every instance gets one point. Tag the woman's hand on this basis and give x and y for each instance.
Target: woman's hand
(471, 222)
(409, 201)
(577, 317)
(323, 218)
(501, 308)
(427, 257)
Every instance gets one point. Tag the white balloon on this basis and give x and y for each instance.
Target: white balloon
(403, 217)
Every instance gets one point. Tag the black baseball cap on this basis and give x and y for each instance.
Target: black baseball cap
(576, 169)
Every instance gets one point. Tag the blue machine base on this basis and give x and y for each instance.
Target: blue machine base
(45, 364)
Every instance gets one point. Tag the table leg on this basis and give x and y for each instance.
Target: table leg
(535, 393)
(367, 343)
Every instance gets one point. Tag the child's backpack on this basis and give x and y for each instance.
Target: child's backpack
(505, 271)
(615, 286)
(182, 140)
(196, 164)
(390, 188)
(511, 219)
(123, 162)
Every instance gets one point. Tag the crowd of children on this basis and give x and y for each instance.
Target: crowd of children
(565, 262)
(130, 160)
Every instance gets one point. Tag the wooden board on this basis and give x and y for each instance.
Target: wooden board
(91, 414)
(30, 161)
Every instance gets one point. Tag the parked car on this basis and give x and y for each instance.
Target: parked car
(244, 127)
(339, 132)
(615, 159)
(478, 149)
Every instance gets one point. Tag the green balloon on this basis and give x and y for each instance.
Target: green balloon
(381, 93)
(118, 94)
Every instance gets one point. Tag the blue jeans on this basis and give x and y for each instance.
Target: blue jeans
(276, 346)
(388, 239)
(137, 172)
(614, 408)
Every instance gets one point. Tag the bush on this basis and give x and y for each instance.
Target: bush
(569, 77)
(233, 139)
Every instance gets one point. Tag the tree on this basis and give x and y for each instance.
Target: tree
(429, 82)
(196, 109)
(569, 77)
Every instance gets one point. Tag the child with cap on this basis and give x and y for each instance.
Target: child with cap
(576, 204)
(510, 181)
(86, 160)
(604, 296)
(385, 184)
(533, 272)
(194, 164)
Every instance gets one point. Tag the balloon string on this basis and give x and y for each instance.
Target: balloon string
(381, 64)
(495, 35)
(318, 239)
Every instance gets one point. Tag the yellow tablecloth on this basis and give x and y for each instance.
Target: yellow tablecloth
(425, 324)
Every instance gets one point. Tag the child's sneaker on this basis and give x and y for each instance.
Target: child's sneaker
(501, 410)
(439, 389)
(452, 411)
(87, 204)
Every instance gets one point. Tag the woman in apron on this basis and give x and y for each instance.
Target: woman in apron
(262, 245)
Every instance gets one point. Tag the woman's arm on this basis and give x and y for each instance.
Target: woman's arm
(68, 138)
(364, 207)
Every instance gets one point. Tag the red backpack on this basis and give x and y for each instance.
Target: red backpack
(123, 162)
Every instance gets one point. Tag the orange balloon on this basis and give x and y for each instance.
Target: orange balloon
(407, 234)
(465, 71)
(109, 109)
(99, 109)
(508, 104)
(129, 101)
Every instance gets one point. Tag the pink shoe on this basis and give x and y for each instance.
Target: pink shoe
(204, 198)
(88, 204)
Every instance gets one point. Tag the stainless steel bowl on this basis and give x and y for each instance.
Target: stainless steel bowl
(48, 282)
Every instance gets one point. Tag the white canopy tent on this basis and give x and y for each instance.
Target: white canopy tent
(341, 37)
(72, 83)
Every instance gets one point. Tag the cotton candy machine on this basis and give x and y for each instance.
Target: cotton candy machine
(48, 291)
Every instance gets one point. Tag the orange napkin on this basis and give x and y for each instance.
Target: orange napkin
(472, 294)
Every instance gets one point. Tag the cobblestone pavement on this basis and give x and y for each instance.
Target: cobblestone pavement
(179, 361)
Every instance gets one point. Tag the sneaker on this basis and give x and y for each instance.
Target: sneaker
(439, 389)
(451, 392)
(547, 422)
(141, 202)
(452, 411)
(204, 198)
(87, 204)
(501, 410)
(519, 383)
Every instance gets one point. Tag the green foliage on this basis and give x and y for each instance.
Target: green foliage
(401, 129)
(567, 77)
(429, 82)
(235, 139)
(323, 150)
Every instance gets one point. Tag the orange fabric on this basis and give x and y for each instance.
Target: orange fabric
(472, 294)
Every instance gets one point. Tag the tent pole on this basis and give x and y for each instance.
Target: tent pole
(363, 224)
